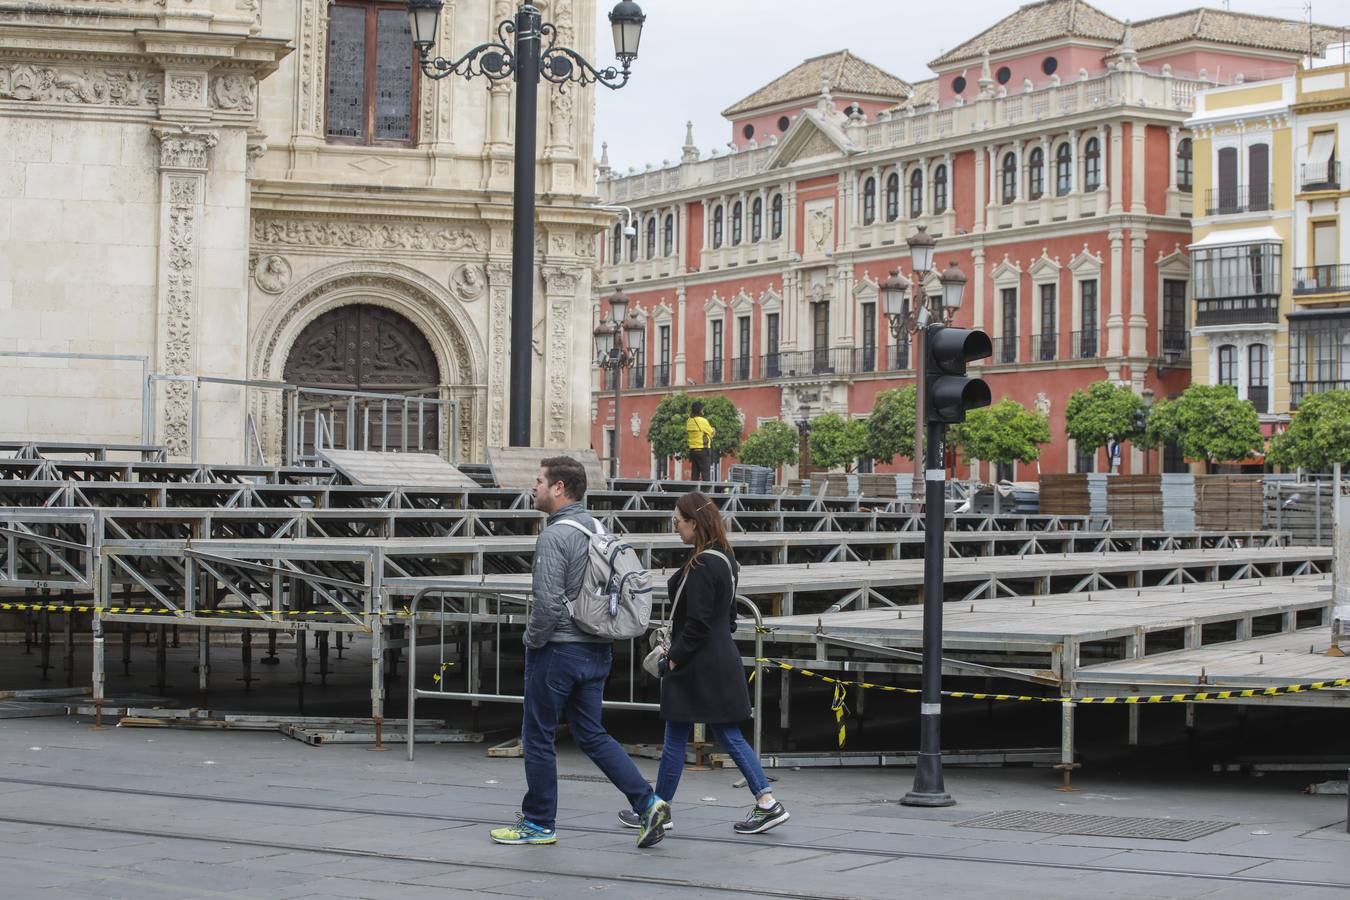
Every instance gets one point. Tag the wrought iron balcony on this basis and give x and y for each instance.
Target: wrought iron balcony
(1005, 349)
(1174, 345)
(714, 371)
(741, 368)
(868, 359)
(1085, 344)
(1320, 176)
(1299, 390)
(838, 361)
(1252, 310)
(1322, 279)
(1242, 198)
(1259, 397)
(1044, 347)
(661, 375)
(637, 377)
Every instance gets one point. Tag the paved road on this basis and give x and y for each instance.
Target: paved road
(164, 814)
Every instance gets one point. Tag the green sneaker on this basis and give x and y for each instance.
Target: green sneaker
(653, 825)
(524, 832)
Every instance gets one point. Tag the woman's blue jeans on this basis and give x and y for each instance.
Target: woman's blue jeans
(728, 736)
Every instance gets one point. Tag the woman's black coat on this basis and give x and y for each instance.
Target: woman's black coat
(707, 683)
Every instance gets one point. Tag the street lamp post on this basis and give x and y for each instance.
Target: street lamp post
(618, 346)
(909, 309)
(525, 60)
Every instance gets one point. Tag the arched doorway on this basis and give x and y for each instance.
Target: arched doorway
(363, 347)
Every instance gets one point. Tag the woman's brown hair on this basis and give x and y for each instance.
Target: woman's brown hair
(709, 531)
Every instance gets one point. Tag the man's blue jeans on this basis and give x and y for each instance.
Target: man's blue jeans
(728, 735)
(570, 677)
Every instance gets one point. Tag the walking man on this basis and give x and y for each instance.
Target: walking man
(700, 432)
(565, 670)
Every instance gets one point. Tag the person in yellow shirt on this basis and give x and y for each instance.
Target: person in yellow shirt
(700, 433)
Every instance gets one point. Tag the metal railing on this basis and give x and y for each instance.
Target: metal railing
(1249, 310)
(837, 361)
(1330, 279)
(491, 610)
(741, 368)
(1005, 348)
(1044, 347)
(1320, 176)
(637, 377)
(1300, 389)
(1241, 198)
(1085, 344)
(1174, 345)
(1259, 397)
(714, 371)
(661, 375)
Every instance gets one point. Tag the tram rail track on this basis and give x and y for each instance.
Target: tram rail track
(874, 853)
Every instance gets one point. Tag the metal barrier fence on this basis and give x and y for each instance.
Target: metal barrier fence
(489, 609)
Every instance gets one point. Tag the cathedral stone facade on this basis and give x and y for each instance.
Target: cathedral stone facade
(215, 197)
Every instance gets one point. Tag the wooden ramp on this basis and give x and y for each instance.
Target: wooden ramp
(396, 469)
(515, 467)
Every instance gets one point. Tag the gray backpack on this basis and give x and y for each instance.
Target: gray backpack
(616, 593)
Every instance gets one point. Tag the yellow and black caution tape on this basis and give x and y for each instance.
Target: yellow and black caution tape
(445, 665)
(1191, 697)
(160, 610)
(837, 704)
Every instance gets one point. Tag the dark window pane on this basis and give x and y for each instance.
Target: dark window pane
(347, 72)
(393, 76)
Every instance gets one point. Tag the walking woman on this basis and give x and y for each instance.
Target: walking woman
(703, 679)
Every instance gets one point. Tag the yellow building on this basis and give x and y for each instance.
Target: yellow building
(1319, 325)
(1242, 245)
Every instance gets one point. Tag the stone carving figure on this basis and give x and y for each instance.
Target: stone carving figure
(273, 274)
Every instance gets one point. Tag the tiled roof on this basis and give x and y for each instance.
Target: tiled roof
(1052, 19)
(842, 72)
(925, 93)
(1243, 29)
(1034, 23)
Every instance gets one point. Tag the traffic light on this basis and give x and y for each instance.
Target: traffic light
(948, 393)
(1140, 420)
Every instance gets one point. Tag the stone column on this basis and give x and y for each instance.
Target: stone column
(977, 292)
(1173, 141)
(1138, 133)
(1073, 161)
(499, 352)
(1114, 320)
(981, 183)
(1138, 310)
(680, 376)
(184, 156)
(560, 298)
(1115, 168)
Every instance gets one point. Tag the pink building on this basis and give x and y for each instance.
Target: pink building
(1046, 154)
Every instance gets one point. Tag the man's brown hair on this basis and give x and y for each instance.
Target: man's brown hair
(571, 473)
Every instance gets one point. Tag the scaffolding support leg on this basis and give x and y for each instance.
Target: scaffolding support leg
(1134, 726)
(126, 649)
(246, 657)
(323, 657)
(1066, 745)
(162, 658)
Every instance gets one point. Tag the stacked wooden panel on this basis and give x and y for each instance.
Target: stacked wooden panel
(1224, 502)
(1134, 502)
(1065, 495)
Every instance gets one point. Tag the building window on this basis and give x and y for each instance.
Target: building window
(717, 227)
(741, 365)
(662, 374)
(1092, 165)
(916, 194)
(869, 201)
(651, 238)
(892, 197)
(668, 239)
(1258, 381)
(1185, 166)
(776, 217)
(1258, 177)
(632, 246)
(1174, 331)
(1004, 471)
(1228, 365)
(1063, 169)
(1087, 308)
(940, 189)
(1085, 461)
(372, 75)
(717, 337)
(757, 220)
(616, 250)
(1228, 180)
(771, 369)
(1036, 174)
(736, 223)
(869, 337)
(1008, 180)
(1008, 343)
(1236, 285)
(820, 335)
(1048, 337)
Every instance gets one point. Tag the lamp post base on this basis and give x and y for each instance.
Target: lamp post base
(924, 798)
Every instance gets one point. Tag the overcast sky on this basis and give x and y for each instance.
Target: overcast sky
(700, 56)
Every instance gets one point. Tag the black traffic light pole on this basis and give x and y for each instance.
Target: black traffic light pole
(947, 396)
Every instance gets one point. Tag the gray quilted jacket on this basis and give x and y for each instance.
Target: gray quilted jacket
(560, 557)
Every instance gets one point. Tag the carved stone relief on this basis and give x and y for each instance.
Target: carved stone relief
(182, 148)
(499, 278)
(298, 232)
(273, 273)
(82, 87)
(468, 282)
(234, 92)
(176, 350)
